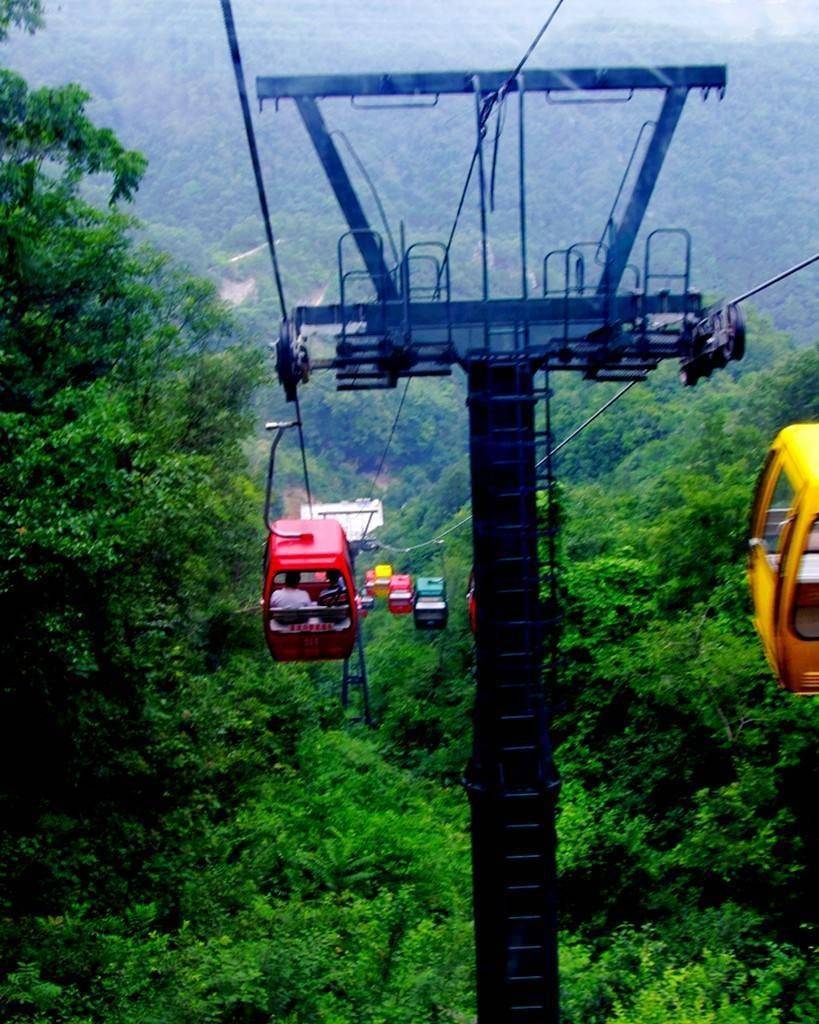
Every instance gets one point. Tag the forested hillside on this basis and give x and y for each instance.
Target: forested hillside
(739, 174)
(189, 833)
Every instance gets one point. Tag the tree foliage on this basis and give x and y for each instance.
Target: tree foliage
(24, 14)
(190, 834)
(49, 126)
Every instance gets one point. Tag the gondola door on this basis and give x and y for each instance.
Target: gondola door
(797, 608)
(771, 531)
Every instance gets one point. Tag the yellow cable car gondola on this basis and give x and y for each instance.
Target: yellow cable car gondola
(382, 579)
(784, 558)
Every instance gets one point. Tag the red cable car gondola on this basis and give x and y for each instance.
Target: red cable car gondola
(401, 598)
(308, 602)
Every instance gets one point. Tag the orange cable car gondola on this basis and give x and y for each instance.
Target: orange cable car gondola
(784, 558)
(401, 597)
(308, 601)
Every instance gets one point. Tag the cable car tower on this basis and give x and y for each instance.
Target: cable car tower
(508, 347)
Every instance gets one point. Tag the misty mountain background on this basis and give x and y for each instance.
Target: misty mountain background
(740, 174)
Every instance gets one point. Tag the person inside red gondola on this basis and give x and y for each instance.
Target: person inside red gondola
(290, 595)
(335, 593)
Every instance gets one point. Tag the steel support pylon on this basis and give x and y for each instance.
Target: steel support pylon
(511, 778)
(354, 679)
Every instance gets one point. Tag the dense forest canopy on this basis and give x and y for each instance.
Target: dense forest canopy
(191, 834)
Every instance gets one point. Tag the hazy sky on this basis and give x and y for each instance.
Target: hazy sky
(732, 18)
(301, 35)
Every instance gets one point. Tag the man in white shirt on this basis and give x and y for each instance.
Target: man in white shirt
(290, 595)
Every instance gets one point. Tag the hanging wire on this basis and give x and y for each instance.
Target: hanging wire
(500, 96)
(533, 44)
(552, 452)
(384, 453)
(458, 212)
(371, 185)
(304, 457)
(500, 121)
(775, 280)
(233, 43)
(765, 284)
(486, 110)
(426, 543)
(389, 439)
(585, 423)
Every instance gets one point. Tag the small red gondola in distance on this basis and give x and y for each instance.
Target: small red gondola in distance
(401, 597)
(309, 566)
(784, 558)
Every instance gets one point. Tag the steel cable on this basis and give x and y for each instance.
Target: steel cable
(233, 43)
(236, 57)
(552, 452)
(389, 440)
(304, 457)
(384, 453)
(761, 287)
(776, 279)
(488, 105)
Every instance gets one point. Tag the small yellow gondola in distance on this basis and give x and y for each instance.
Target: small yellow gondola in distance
(784, 558)
(383, 576)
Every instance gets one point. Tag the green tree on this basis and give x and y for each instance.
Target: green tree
(24, 14)
(123, 509)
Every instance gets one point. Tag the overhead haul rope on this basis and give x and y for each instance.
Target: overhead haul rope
(766, 284)
(552, 452)
(500, 121)
(488, 105)
(586, 423)
(607, 405)
(775, 280)
(533, 44)
(426, 543)
(233, 43)
(236, 57)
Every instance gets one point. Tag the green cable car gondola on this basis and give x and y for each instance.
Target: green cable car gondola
(431, 610)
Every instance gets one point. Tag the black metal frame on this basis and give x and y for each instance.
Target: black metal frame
(511, 779)
(354, 680)
(603, 331)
